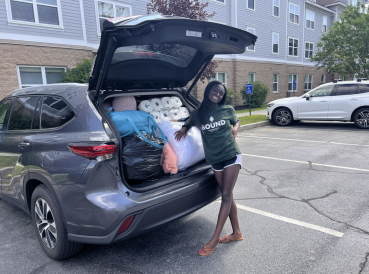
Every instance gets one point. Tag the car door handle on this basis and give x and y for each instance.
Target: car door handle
(354, 99)
(24, 144)
(324, 101)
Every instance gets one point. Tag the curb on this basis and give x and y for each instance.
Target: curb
(254, 125)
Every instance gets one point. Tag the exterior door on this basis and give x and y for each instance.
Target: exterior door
(316, 108)
(16, 147)
(346, 99)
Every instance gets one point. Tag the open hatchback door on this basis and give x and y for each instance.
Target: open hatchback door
(151, 52)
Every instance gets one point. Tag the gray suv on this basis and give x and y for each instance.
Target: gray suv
(61, 155)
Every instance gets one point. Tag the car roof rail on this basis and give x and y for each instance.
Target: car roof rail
(337, 80)
(361, 79)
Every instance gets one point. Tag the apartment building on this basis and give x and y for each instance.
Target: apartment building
(40, 38)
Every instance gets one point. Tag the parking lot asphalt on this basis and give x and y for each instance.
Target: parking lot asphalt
(303, 208)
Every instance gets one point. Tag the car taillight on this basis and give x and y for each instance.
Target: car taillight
(99, 152)
(127, 222)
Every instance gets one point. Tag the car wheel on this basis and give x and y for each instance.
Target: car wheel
(361, 118)
(49, 227)
(282, 117)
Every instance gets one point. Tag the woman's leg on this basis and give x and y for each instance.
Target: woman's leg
(229, 178)
(233, 212)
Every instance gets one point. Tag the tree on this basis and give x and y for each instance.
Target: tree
(345, 48)
(258, 96)
(79, 74)
(191, 9)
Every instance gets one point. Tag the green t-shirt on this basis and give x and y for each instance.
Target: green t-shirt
(217, 137)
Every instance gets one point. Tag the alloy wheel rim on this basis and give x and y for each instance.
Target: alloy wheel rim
(283, 117)
(45, 223)
(363, 118)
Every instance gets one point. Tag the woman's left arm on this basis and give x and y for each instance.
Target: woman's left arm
(235, 129)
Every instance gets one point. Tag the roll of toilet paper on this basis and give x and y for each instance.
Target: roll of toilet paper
(157, 116)
(145, 106)
(183, 111)
(165, 115)
(157, 105)
(174, 113)
(167, 103)
(176, 102)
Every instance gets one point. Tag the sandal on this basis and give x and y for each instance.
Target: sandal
(206, 251)
(226, 239)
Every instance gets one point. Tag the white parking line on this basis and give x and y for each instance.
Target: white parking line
(298, 140)
(305, 162)
(291, 221)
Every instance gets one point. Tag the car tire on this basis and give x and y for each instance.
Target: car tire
(49, 226)
(361, 118)
(282, 117)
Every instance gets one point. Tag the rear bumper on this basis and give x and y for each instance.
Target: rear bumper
(159, 214)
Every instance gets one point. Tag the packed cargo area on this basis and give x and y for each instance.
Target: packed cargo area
(150, 155)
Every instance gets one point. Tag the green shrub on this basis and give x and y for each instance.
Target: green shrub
(236, 95)
(258, 96)
(79, 74)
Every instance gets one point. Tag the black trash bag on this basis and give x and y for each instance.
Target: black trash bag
(141, 161)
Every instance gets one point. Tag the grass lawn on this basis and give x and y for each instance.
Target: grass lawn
(252, 109)
(252, 119)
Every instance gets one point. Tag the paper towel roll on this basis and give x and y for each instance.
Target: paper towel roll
(167, 103)
(157, 116)
(145, 106)
(183, 111)
(157, 105)
(176, 102)
(165, 115)
(174, 113)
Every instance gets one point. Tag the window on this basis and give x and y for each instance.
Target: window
(345, 78)
(108, 10)
(354, 2)
(308, 82)
(221, 77)
(362, 88)
(276, 8)
(293, 45)
(275, 42)
(348, 89)
(309, 48)
(294, 13)
(322, 91)
(325, 24)
(251, 77)
(310, 19)
(220, 1)
(251, 4)
(323, 79)
(252, 47)
(275, 83)
(55, 112)
(4, 107)
(22, 113)
(36, 12)
(34, 76)
(292, 82)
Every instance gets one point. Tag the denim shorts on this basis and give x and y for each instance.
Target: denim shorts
(236, 160)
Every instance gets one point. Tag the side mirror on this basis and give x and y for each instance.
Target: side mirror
(307, 96)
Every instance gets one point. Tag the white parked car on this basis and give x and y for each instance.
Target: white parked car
(337, 101)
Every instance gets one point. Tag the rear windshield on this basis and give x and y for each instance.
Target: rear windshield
(175, 54)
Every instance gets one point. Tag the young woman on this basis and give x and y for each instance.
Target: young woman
(214, 119)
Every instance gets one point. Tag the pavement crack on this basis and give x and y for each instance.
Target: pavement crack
(306, 201)
(40, 268)
(363, 264)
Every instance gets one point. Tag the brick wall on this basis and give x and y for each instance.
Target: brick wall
(238, 70)
(13, 55)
